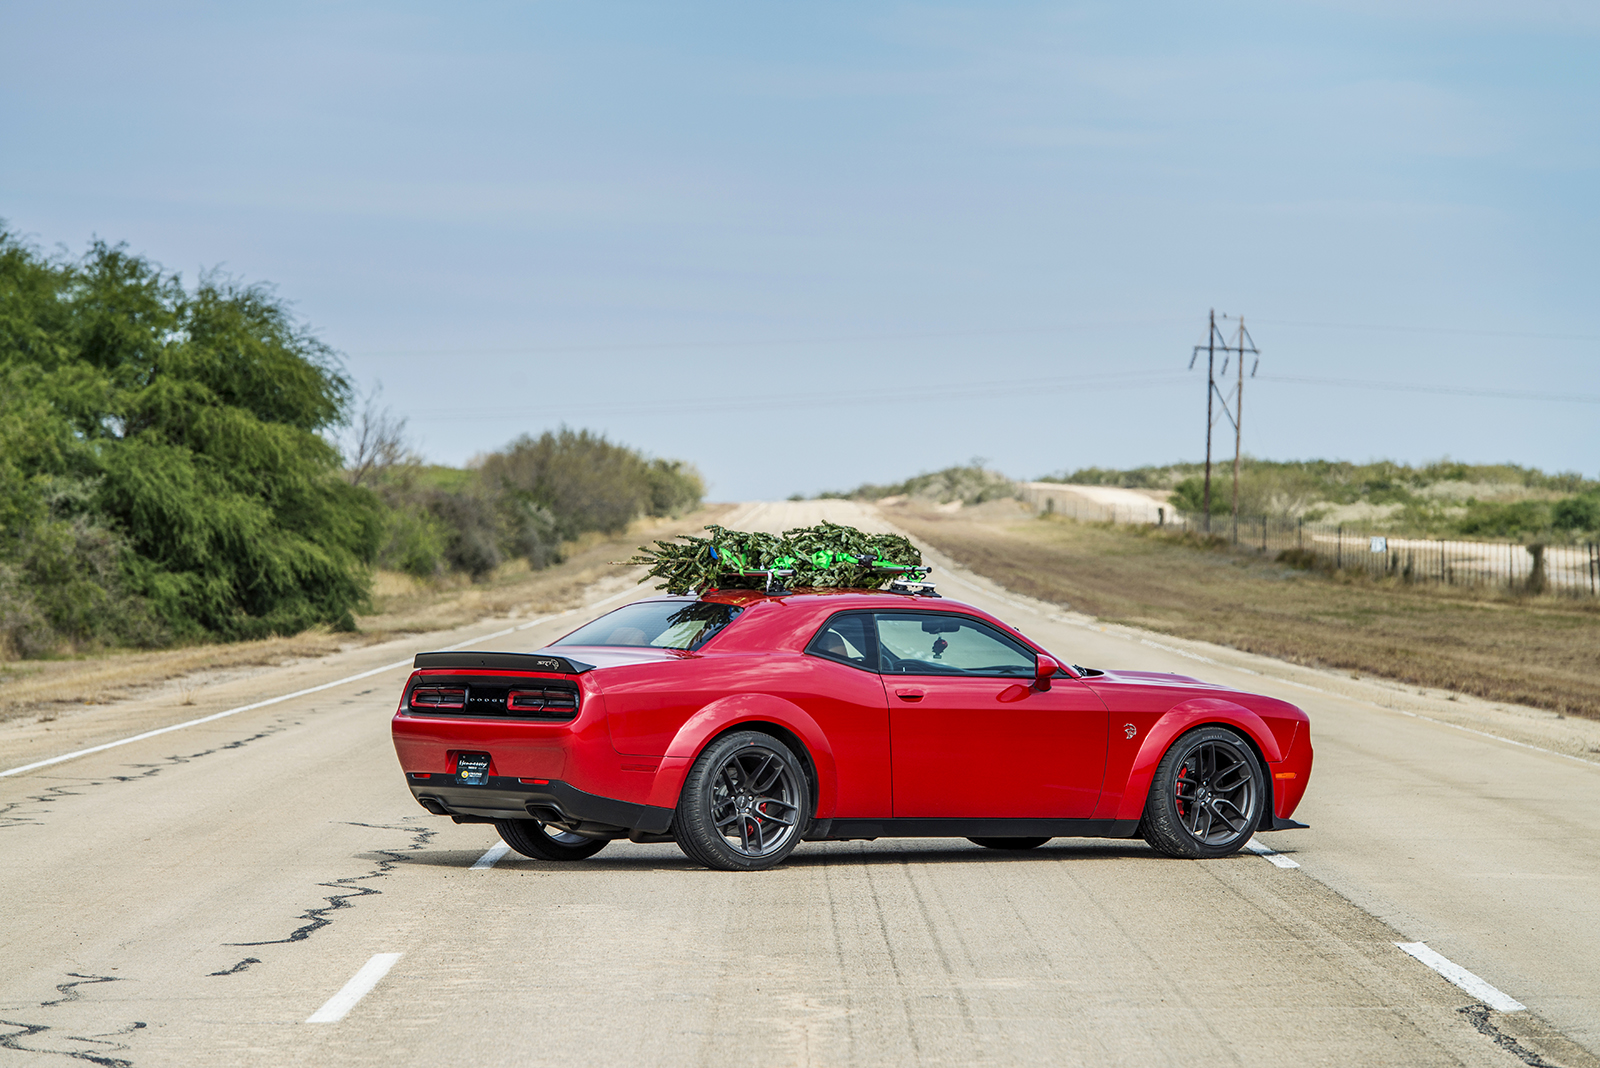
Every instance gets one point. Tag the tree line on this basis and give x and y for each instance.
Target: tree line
(170, 468)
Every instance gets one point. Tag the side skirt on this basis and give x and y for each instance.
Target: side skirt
(975, 828)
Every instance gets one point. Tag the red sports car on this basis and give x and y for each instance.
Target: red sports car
(740, 723)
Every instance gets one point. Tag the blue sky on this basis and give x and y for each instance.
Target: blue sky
(810, 245)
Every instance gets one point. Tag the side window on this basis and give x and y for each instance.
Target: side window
(915, 643)
(847, 638)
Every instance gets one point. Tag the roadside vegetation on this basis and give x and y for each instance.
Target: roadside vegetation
(182, 464)
(1444, 499)
(1538, 651)
(970, 484)
(400, 605)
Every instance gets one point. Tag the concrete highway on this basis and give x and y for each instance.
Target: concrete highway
(199, 896)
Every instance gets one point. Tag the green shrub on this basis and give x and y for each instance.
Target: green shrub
(191, 422)
(1490, 520)
(1576, 513)
(1190, 496)
(414, 542)
(968, 483)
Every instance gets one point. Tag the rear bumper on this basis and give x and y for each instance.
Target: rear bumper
(509, 798)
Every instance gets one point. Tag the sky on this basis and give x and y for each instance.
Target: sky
(806, 246)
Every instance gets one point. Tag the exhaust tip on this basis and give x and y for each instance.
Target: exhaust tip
(545, 813)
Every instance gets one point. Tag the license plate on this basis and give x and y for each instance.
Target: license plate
(472, 769)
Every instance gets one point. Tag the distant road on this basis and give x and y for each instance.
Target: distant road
(1099, 503)
(197, 897)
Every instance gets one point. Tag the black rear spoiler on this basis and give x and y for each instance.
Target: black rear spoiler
(503, 662)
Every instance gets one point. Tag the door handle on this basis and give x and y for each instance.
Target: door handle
(909, 695)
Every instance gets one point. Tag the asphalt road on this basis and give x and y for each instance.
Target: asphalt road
(195, 897)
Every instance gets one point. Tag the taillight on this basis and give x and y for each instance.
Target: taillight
(542, 701)
(439, 697)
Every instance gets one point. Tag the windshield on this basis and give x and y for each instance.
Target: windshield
(657, 624)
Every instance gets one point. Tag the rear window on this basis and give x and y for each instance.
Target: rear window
(656, 624)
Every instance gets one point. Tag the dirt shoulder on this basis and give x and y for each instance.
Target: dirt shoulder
(42, 690)
(1541, 652)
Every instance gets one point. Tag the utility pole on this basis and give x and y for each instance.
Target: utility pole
(1238, 428)
(1211, 421)
(1217, 342)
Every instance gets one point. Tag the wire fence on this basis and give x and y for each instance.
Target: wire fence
(1570, 569)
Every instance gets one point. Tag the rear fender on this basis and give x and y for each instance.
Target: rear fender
(729, 712)
(1201, 711)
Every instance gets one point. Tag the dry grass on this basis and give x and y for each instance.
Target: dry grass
(1543, 652)
(402, 605)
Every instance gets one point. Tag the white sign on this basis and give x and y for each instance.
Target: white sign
(1380, 545)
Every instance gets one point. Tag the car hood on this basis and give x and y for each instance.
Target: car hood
(1151, 678)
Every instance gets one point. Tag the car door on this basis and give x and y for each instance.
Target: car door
(970, 733)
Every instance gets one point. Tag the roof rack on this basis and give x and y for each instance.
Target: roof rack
(915, 588)
(773, 585)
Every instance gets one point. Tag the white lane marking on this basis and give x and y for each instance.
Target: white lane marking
(204, 719)
(1269, 854)
(1491, 996)
(541, 619)
(288, 696)
(360, 985)
(491, 858)
(1486, 734)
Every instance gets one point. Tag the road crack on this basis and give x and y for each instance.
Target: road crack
(348, 889)
(106, 1041)
(237, 968)
(17, 813)
(1482, 1018)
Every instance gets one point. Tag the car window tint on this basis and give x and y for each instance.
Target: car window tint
(846, 638)
(661, 624)
(941, 644)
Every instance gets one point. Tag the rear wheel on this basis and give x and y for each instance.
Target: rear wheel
(1009, 843)
(1206, 797)
(743, 804)
(533, 839)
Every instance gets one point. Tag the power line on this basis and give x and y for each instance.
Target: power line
(931, 335)
(1459, 391)
(840, 395)
(843, 339)
(1465, 331)
(1050, 386)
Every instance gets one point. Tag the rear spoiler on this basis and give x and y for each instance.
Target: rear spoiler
(503, 662)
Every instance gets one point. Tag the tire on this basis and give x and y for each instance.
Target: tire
(533, 839)
(1206, 797)
(744, 804)
(1009, 843)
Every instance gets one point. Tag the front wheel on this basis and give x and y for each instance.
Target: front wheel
(533, 839)
(1009, 843)
(743, 805)
(1206, 797)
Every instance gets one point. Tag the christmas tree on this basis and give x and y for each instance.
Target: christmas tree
(827, 555)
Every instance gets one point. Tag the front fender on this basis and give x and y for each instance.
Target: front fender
(1180, 718)
(727, 712)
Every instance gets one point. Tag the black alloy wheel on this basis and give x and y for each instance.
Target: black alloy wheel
(744, 804)
(533, 839)
(1206, 797)
(1009, 843)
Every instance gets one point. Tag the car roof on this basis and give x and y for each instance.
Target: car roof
(789, 620)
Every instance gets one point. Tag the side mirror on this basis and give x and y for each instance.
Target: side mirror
(1043, 669)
